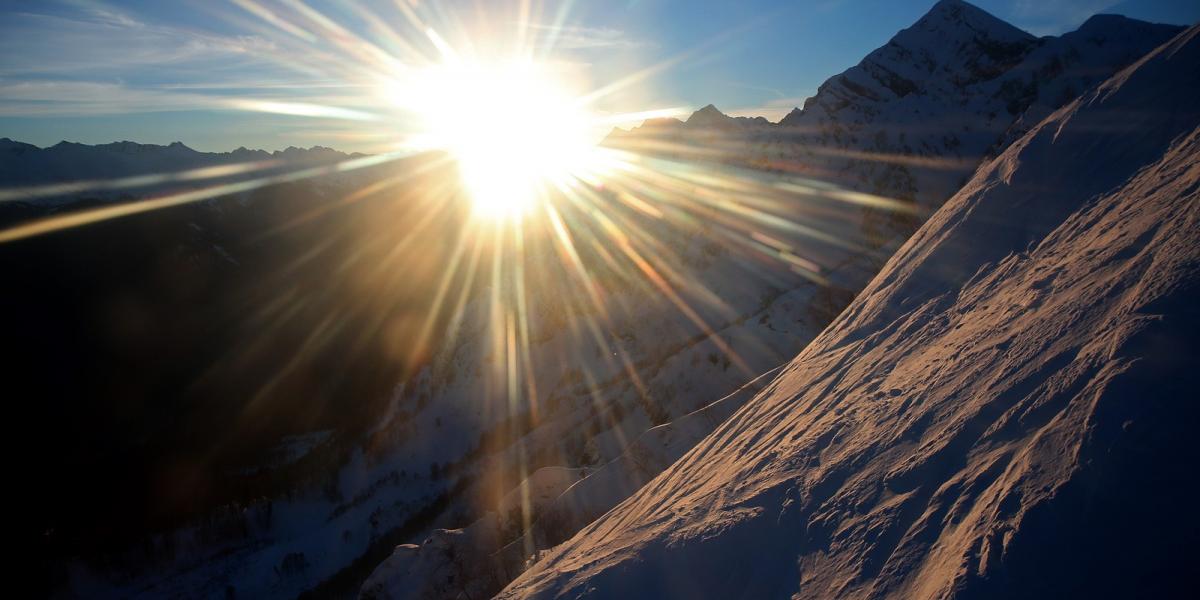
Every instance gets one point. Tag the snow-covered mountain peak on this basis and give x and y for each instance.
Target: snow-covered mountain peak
(952, 46)
(950, 16)
(1103, 30)
(1109, 24)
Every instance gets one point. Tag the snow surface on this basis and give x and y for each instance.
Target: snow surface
(1005, 411)
(484, 556)
(442, 416)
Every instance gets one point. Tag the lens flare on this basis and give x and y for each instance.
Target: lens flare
(585, 268)
(513, 127)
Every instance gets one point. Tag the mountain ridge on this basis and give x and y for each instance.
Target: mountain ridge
(1002, 412)
(914, 119)
(128, 145)
(25, 167)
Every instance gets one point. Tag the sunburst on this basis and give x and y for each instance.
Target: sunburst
(514, 128)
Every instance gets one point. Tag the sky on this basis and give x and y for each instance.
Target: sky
(219, 74)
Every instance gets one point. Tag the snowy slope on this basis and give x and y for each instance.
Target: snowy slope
(594, 411)
(480, 559)
(1005, 411)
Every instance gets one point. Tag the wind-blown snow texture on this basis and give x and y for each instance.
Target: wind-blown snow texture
(1006, 411)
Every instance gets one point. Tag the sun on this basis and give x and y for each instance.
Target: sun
(514, 128)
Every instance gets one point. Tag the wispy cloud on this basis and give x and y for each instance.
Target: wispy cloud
(61, 98)
(578, 37)
(46, 98)
(94, 60)
(95, 41)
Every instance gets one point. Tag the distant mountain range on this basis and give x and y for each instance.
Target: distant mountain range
(69, 161)
(128, 169)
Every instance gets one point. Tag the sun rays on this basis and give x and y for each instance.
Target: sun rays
(562, 244)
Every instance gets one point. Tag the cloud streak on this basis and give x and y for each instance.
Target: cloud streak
(97, 42)
(578, 37)
(96, 61)
(83, 98)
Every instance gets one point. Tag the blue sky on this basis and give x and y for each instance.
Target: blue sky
(217, 74)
